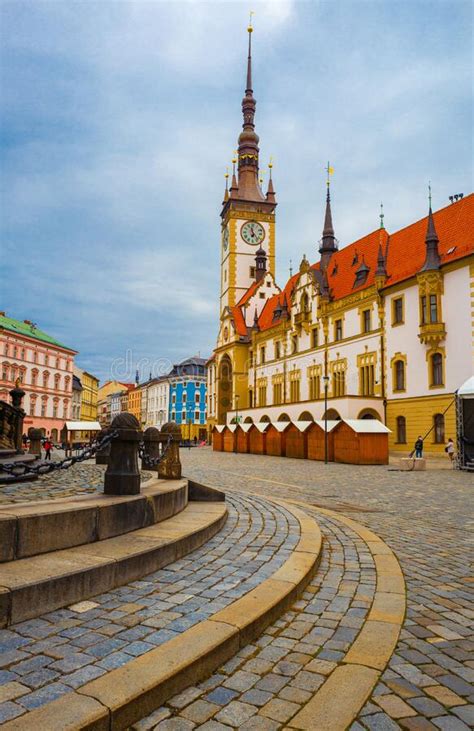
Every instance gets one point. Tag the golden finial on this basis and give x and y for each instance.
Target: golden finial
(330, 171)
(250, 28)
(226, 174)
(262, 173)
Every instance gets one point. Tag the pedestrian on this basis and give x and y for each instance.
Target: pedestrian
(48, 448)
(419, 448)
(449, 448)
(24, 439)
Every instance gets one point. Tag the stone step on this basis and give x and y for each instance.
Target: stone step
(32, 528)
(32, 586)
(123, 695)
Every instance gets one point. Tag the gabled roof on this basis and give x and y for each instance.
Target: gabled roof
(404, 253)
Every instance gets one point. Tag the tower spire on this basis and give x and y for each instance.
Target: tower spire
(432, 259)
(249, 188)
(328, 240)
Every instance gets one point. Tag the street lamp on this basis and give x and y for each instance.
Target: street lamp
(326, 382)
(236, 419)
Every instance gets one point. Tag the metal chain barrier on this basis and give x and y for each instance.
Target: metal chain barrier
(18, 469)
(153, 461)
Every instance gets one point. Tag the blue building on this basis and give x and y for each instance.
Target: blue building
(187, 397)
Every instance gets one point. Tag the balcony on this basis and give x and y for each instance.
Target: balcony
(432, 333)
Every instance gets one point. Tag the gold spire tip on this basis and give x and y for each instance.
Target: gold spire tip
(250, 28)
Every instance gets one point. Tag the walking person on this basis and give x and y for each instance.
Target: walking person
(449, 448)
(419, 448)
(48, 448)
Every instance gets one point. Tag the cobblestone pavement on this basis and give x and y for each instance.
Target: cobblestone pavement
(80, 479)
(43, 658)
(427, 520)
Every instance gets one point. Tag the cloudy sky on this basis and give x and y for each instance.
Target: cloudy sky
(119, 119)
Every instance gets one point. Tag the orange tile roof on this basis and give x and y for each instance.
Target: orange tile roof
(404, 253)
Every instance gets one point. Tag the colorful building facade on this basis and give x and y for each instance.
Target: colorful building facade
(188, 396)
(104, 410)
(44, 367)
(381, 328)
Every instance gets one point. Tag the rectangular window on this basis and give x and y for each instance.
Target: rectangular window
(196, 416)
(399, 375)
(197, 397)
(314, 387)
(423, 310)
(367, 380)
(250, 398)
(433, 308)
(338, 383)
(262, 395)
(277, 393)
(252, 272)
(397, 312)
(366, 323)
(277, 349)
(262, 295)
(184, 398)
(314, 337)
(338, 330)
(251, 359)
(294, 343)
(262, 354)
(294, 391)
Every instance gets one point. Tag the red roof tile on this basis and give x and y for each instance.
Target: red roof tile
(404, 253)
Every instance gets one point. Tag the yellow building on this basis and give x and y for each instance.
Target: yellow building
(135, 403)
(103, 404)
(89, 396)
(380, 328)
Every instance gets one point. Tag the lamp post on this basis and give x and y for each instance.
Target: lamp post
(236, 419)
(326, 382)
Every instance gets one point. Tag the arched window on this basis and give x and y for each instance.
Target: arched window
(5, 371)
(34, 377)
(401, 430)
(399, 375)
(57, 380)
(438, 420)
(437, 369)
(32, 405)
(44, 405)
(45, 379)
(65, 408)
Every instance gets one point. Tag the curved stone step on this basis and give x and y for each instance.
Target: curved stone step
(32, 586)
(33, 528)
(122, 696)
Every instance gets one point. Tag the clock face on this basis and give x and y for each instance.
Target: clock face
(225, 238)
(252, 232)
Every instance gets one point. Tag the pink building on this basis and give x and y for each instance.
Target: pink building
(45, 369)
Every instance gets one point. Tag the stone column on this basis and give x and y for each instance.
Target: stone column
(170, 466)
(122, 476)
(17, 394)
(152, 440)
(34, 435)
(102, 455)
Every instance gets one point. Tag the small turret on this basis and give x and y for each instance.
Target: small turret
(432, 258)
(260, 264)
(328, 241)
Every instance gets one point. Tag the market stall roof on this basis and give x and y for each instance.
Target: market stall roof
(83, 426)
(366, 426)
(467, 388)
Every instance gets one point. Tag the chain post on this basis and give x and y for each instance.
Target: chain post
(122, 476)
(170, 466)
(151, 448)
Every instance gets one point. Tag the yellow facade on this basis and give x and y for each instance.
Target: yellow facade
(419, 414)
(135, 403)
(89, 396)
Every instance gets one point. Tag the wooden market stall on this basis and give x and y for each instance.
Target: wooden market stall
(77, 434)
(315, 436)
(275, 438)
(296, 443)
(228, 438)
(243, 438)
(361, 441)
(257, 438)
(217, 438)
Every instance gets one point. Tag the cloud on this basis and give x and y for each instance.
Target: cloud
(119, 120)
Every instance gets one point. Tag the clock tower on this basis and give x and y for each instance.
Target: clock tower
(248, 215)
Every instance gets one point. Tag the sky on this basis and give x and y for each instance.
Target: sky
(120, 117)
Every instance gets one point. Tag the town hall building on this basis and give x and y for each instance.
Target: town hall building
(382, 328)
